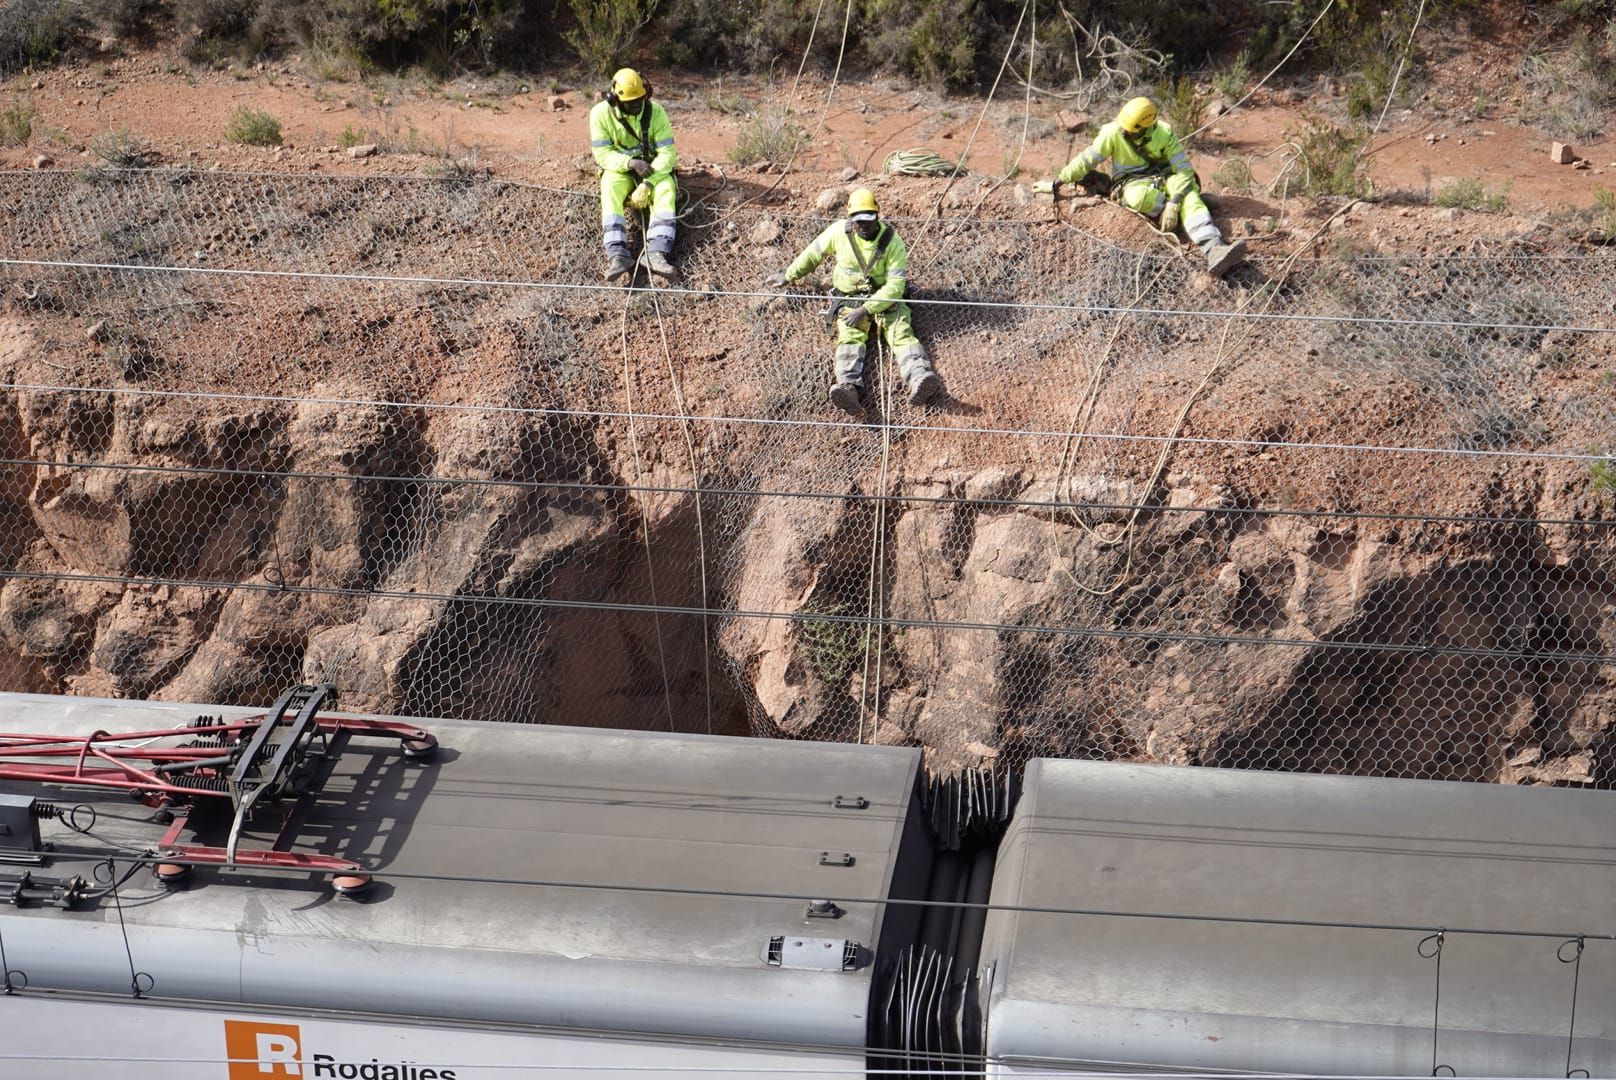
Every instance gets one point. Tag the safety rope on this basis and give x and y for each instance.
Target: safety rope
(695, 478)
(686, 430)
(645, 522)
(875, 606)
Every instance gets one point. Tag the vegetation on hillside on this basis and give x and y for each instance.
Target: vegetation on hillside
(949, 44)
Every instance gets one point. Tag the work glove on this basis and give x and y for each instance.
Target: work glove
(640, 197)
(778, 280)
(856, 316)
(1170, 215)
(1046, 187)
(639, 167)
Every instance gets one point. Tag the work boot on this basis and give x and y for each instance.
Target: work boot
(845, 396)
(926, 387)
(658, 264)
(617, 266)
(1221, 258)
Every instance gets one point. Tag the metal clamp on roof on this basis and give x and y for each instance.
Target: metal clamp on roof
(824, 909)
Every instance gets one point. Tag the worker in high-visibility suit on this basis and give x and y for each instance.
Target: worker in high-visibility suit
(632, 141)
(872, 267)
(1151, 175)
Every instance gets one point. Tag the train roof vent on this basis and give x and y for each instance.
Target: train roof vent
(813, 954)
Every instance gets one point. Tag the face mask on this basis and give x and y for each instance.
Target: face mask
(867, 228)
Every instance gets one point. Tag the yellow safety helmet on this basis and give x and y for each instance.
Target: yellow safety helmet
(627, 85)
(862, 201)
(1137, 115)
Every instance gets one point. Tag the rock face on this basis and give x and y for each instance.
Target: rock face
(343, 541)
(408, 555)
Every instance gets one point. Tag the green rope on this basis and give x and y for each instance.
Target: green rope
(920, 162)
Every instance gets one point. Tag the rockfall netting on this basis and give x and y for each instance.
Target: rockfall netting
(1346, 513)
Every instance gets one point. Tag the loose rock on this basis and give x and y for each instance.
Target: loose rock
(1561, 154)
(766, 231)
(363, 150)
(830, 199)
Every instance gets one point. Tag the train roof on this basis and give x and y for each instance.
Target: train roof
(1146, 840)
(505, 802)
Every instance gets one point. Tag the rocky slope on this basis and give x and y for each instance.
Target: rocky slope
(470, 500)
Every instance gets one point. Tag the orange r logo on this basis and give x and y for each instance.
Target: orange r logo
(259, 1051)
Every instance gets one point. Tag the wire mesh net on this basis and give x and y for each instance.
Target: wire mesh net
(1349, 513)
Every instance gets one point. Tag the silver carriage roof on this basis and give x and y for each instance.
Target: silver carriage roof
(503, 802)
(1307, 848)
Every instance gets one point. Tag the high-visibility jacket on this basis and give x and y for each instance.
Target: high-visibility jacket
(616, 139)
(1158, 153)
(883, 275)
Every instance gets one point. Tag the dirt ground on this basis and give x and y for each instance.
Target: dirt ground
(1466, 125)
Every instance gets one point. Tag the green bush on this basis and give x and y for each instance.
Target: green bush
(439, 35)
(352, 136)
(772, 135)
(1233, 175)
(34, 32)
(1231, 81)
(123, 149)
(1369, 87)
(1183, 105)
(1605, 214)
(1329, 158)
(834, 647)
(1603, 475)
(606, 31)
(211, 30)
(1469, 194)
(938, 42)
(121, 18)
(253, 128)
(1572, 89)
(747, 34)
(17, 123)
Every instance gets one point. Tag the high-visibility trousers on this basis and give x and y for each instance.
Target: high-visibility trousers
(615, 188)
(1148, 194)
